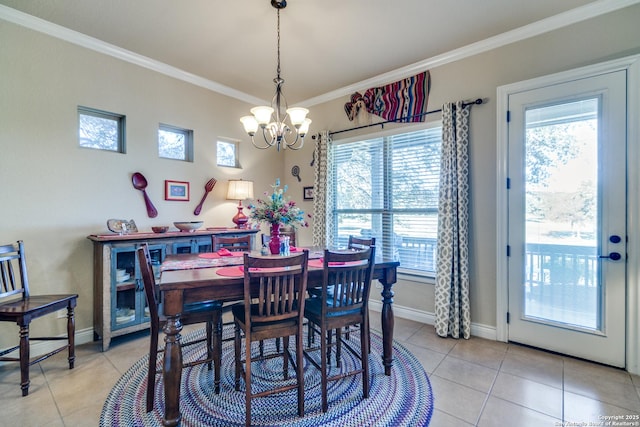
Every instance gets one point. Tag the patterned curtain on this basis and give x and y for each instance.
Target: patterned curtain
(323, 192)
(453, 316)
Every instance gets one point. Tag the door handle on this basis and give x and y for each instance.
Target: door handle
(613, 256)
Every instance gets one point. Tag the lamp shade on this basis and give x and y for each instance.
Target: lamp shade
(297, 115)
(240, 190)
(250, 124)
(262, 114)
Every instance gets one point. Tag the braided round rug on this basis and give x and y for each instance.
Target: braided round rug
(402, 399)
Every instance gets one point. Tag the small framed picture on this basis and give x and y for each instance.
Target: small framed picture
(176, 190)
(307, 193)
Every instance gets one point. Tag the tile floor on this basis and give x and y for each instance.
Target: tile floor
(475, 382)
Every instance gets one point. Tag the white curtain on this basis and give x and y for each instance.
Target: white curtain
(322, 228)
(452, 308)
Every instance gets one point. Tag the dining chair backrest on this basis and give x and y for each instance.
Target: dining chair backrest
(291, 234)
(149, 282)
(360, 242)
(13, 271)
(281, 287)
(346, 281)
(233, 244)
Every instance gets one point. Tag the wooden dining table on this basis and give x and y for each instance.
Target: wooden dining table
(191, 278)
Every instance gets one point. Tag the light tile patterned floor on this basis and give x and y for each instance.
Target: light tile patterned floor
(475, 382)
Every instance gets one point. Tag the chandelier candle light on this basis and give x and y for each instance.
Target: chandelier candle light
(240, 190)
(276, 132)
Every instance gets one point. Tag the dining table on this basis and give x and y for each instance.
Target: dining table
(197, 277)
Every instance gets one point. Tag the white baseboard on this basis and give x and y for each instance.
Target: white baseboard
(477, 330)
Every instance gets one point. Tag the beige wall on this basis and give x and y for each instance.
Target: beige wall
(54, 193)
(607, 37)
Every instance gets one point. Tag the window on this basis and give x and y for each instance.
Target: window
(387, 187)
(175, 143)
(227, 153)
(100, 130)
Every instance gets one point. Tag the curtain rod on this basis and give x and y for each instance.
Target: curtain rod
(402, 119)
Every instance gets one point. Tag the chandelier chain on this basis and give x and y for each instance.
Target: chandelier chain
(275, 132)
(278, 69)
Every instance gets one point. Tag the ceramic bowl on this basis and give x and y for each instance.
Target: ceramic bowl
(188, 225)
(160, 229)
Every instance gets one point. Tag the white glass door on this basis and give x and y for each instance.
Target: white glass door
(567, 224)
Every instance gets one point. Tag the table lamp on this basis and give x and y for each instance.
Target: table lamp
(240, 190)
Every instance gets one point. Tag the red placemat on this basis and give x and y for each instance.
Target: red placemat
(209, 255)
(233, 271)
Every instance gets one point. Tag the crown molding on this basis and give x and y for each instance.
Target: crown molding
(570, 17)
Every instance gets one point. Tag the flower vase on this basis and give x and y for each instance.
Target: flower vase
(274, 243)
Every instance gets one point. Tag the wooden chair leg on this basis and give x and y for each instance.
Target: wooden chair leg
(300, 372)
(151, 376)
(24, 359)
(247, 381)
(237, 349)
(285, 357)
(209, 328)
(324, 366)
(338, 346)
(364, 354)
(71, 336)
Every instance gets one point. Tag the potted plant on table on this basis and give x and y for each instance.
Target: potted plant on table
(276, 210)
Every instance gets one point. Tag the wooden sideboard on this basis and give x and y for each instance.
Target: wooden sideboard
(119, 303)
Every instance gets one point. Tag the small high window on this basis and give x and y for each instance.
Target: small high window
(101, 130)
(175, 143)
(227, 153)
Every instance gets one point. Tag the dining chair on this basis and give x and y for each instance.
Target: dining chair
(233, 244)
(207, 312)
(360, 242)
(274, 297)
(18, 305)
(355, 243)
(349, 275)
(291, 233)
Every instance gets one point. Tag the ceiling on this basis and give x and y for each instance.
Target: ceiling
(328, 47)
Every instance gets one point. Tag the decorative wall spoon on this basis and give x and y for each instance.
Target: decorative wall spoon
(207, 189)
(140, 183)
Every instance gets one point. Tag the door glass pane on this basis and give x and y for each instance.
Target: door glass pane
(562, 282)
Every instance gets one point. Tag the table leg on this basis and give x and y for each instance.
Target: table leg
(172, 371)
(387, 325)
(217, 350)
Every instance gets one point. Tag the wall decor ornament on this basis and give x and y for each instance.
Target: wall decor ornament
(176, 190)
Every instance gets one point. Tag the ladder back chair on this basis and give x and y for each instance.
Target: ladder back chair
(355, 243)
(207, 312)
(291, 233)
(274, 296)
(233, 244)
(349, 275)
(19, 306)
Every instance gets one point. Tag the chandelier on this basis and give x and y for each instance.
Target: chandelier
(278, 132)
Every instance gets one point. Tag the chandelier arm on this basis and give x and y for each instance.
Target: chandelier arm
(291, 145)
(268, 144)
